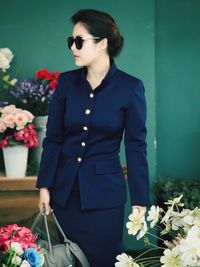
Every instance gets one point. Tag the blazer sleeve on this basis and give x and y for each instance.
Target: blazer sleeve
(52, 143)
(135, 147)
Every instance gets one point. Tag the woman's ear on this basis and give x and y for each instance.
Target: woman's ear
(103, 44)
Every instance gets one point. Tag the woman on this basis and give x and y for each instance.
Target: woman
(80, 174)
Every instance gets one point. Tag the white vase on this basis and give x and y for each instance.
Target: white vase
(15, 160)
(40, 122)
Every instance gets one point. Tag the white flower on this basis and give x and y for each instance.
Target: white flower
(194, 232)
(17, 248)
(136, 220)
(16, 260)
(153, 215)
(190, 249)
(171, 258)
(25, 264)
(167, 215)
(143, 230)
(125, 261)
(190, 218)
(6, 57)
(13, 82)
(175, 202)
(177, 221)
(42, 259)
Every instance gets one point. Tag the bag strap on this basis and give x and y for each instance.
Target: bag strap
(74, 248)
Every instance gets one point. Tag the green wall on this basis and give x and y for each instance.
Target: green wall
(36, 32)
(178, 88)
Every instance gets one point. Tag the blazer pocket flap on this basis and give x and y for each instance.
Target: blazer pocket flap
(107, 166)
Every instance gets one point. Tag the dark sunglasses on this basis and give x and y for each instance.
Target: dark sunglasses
(79, 41)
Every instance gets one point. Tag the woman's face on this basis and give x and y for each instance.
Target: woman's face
(90, 51)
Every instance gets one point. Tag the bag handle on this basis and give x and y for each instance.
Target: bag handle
(74, 248)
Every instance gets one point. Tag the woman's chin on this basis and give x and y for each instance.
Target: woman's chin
(77, 63)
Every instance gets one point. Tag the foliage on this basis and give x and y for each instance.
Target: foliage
(168, 188)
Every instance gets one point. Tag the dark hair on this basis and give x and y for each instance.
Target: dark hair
(101, 24)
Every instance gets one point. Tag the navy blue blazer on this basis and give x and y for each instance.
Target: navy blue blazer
(84, 131)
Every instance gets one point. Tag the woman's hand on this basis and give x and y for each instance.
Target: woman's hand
(44, 200)
(139, 208)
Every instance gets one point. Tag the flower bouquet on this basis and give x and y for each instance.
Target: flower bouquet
(16, 127)
(6, 57)
(35, 94)
(18, 247)
(182, 227)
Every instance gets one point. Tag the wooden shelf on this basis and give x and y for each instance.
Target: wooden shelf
(18, 199)
(18, 184)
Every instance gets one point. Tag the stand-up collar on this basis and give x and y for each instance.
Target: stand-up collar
(106, 79)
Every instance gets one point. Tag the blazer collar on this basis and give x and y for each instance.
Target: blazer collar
(112, 71)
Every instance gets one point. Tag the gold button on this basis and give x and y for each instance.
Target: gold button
(83, 143)
(87, 111)
(79, 159)
(91, 95)
(85, 128)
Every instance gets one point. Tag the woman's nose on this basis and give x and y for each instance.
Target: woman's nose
(73, 47)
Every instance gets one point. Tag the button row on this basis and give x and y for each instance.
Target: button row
(85, 128)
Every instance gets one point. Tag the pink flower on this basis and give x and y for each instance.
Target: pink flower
(29, 115)
(8, 109)
(9, 120)
(22, 131)
(20, 120)
(2, 126)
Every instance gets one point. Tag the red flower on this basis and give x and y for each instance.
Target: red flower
(46, 75)
(4, 143)
(53, 84)
(14, 233)
(40, 74)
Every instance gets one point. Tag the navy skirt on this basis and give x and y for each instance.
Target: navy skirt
(98, 232)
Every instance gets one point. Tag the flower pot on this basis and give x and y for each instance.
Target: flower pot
(40, 122)
(15, 160)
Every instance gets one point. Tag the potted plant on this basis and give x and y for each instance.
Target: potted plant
(17, 135)
(35, 95)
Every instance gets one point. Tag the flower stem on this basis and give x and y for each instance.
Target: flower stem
(155, 236)
(145, 252)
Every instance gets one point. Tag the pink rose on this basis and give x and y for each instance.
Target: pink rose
(9, 120)
(2, 126)
(29, 115)
(8, 109)
(20, 120)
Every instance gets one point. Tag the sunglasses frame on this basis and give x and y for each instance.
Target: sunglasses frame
(78, 40)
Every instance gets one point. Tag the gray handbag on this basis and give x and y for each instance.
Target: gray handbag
(66, 254)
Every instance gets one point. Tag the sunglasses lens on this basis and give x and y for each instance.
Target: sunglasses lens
(78, 42)
(70, 41)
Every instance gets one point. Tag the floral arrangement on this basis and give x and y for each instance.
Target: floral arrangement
(182, 227)
(35, 94)
(6, 57)
(16, 127)
(18, 247)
